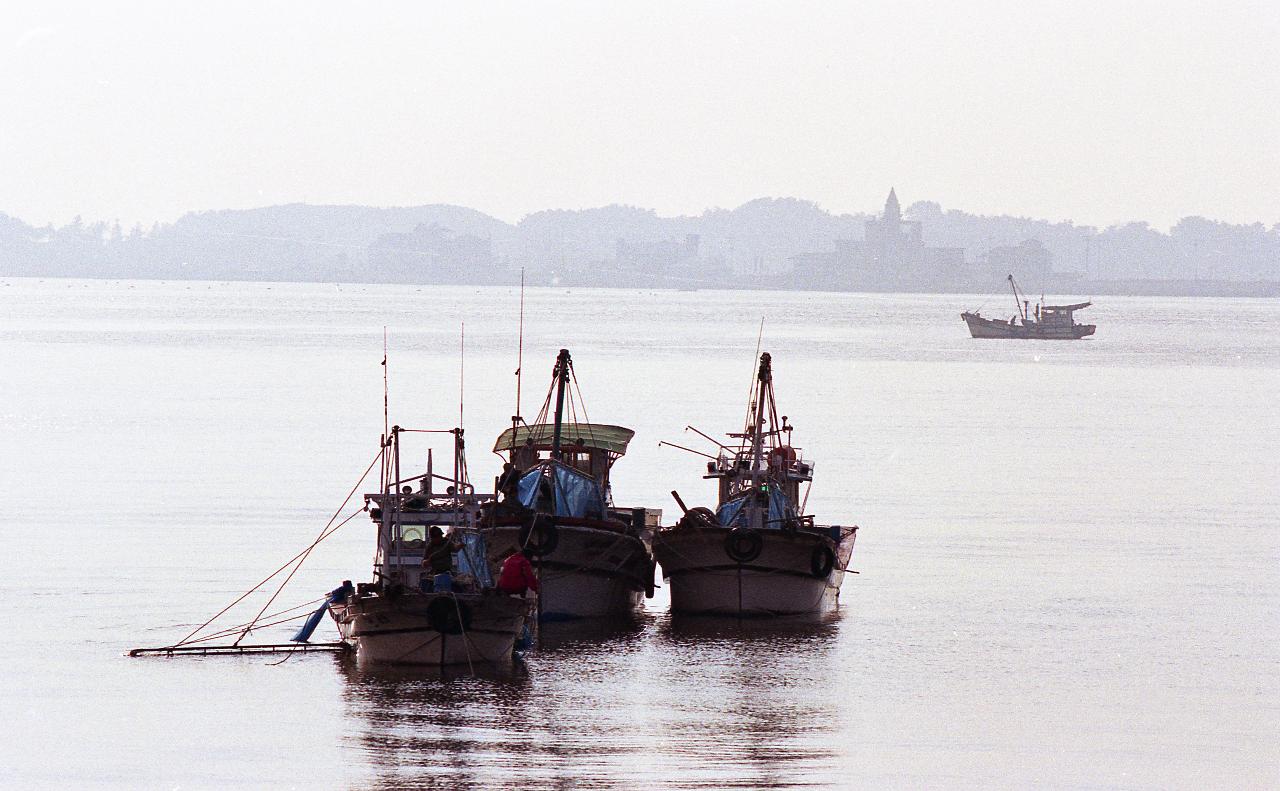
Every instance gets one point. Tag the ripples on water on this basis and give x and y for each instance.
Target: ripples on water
(701, 703)
(1070, 552)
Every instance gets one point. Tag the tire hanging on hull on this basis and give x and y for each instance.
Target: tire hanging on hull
(539, 535)
(743, 544)
(449, 616)
(822, 561)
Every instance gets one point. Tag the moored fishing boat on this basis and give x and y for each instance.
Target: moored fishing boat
(410, 615)
(1047, 322)
(591, 558)
(756, 553)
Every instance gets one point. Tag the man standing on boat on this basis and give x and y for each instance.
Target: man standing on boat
(439, 558)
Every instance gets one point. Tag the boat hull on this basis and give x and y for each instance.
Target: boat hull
(590, 573)
(980, 327)
(412, 629)
(782, 580)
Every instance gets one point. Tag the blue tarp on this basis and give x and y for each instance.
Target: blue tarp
(471, 558)
(735, 513)
(732, 510)
(527, 487)
(336, 596)
(577, 494)
(573, 493)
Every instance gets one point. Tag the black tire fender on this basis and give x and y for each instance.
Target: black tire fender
(539, 535)
(743, 544)
(822, 561)
(447, 615)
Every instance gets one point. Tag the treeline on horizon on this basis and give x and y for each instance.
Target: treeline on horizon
(755, 245)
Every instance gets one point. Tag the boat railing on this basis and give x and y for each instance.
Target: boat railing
(740, 465)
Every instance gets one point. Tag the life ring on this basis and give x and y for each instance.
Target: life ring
(743, 544)
(447, 615)
(822, 561)
(699, 517)
(539, 536)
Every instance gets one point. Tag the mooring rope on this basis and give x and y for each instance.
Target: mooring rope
(323, 534)
(328, 531)
(230, 630)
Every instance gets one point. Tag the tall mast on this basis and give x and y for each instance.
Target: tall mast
(757, 443)
(515, 419)
(562, 380)
(457, 433)
(398, 500)
(1018, 301)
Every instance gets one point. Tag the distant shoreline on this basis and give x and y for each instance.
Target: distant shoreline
(1264, 289)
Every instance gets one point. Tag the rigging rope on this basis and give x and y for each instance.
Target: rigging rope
(307, 553)
(269, 577)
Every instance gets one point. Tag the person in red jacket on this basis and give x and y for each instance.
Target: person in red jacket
(517, 575)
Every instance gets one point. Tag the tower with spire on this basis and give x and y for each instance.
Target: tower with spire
(892, 209)
(894, 247)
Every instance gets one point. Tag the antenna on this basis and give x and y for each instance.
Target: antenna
(751, 388)
(459, 461)
(386, 409)
(519, 351)
(462, 368)
(386, 412)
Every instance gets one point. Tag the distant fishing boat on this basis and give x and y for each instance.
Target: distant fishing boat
(1048, 322)
(757, 553)
(408, 614)
(591, 558)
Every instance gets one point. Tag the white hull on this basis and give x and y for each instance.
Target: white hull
(980, 327)
(591, 573)
(403, 631)
(781, 580)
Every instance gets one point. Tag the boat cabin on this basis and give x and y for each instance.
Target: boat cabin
(1059, 315)
(588, 448)
(775, 488)
(404, 523)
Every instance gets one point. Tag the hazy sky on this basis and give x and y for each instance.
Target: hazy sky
(1101, 112)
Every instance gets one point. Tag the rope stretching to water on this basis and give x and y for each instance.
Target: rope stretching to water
(329, 529)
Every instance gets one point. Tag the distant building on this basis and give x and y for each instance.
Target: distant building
(1029, 262)
(656, 258)
(891, 257)
(893, 246)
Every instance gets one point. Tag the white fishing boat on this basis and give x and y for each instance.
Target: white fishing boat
(756, 553)
(1046, 322)
(591, 558)
(410, 615)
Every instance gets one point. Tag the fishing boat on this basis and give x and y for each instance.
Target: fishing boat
(408, 615)
(591, 559)
(756, 553)
(1048, 322)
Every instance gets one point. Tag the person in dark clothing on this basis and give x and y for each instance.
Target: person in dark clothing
(438, 559)
(508, 482)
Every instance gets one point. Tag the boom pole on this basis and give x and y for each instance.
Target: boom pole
(562, 380)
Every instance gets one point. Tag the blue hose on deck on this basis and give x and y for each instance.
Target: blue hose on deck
(336, 596)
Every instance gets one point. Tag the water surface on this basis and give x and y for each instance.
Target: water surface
(1069, 551)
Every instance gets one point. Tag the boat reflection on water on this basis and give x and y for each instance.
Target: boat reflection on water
(672, 702)
(423, 726)
(800, 629)
(591, 634)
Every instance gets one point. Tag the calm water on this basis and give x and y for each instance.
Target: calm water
(1070, 556)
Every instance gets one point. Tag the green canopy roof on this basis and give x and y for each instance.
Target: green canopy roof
(592, 435)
